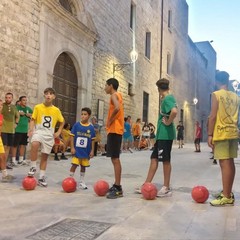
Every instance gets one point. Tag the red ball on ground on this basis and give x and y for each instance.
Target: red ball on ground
(149, 191)
(69, 184)
(29, 183)
(200, 194)
(101, 187)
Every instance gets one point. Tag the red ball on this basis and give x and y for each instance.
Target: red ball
(200, 194)
(69, 185)
(149, 191)
(101, 187)
(29, 183)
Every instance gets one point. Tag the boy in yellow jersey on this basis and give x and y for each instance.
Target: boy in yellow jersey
(115, 129)
(223, 135)
(42, 125)
(5, 176)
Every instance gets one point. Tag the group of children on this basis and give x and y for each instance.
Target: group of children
(45, 117)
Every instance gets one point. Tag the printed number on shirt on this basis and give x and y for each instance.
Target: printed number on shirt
(81, 142)
(47, 121)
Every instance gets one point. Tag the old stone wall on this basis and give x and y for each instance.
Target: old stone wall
(19, 55)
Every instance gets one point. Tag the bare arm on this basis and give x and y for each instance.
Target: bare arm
(169, 120)
(116, 104)
(212, 120)
(72, 144)
(31, 127)
(56, 134)
(92, 149)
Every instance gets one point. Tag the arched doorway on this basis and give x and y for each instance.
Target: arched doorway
(66, 85)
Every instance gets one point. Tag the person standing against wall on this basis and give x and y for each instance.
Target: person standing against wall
(11, 119)
(21, 131)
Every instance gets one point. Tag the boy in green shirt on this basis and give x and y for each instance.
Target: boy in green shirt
(21, 137)
(165, 135)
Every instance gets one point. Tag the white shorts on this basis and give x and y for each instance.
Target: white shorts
(47, 142)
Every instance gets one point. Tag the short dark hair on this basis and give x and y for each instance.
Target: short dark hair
(50, 90)
(163, 84)
(222, 77)
(20, 98)
(114, 82)
(9, 93)
(88, 110)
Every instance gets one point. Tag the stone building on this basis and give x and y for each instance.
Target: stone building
(74, 46)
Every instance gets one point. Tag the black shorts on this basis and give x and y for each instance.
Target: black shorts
(20, 139)
(162, 150)
(114, 142)
(7, 139)
(179, 137)
(197, 140)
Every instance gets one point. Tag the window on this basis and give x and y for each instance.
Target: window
(168, 63)
(133, 17)
(66, 5)
(170, 19)
(148, 45)
(130, 89)
(145, 107)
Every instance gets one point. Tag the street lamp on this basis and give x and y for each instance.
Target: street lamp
(195, 101)
(119, 66)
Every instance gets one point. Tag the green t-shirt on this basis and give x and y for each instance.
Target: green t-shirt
(166, 132)
(22, 126)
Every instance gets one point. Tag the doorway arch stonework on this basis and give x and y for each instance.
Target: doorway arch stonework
(65, 83)
(77, 42)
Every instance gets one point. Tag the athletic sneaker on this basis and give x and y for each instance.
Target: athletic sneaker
(164, 192)
(23, 163)
(63, 157)
(8, 178)
(42, 182)
(130, 150)
(82, 185)
(32, 171)
(138, 190)
(222, 201)
(114, 193)
(14, 164)
(217, 195)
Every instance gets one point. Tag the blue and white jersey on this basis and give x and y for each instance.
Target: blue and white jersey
(83, 136)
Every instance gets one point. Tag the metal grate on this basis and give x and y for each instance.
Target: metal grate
(73, 229)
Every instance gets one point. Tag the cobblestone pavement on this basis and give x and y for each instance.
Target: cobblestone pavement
(50, 213)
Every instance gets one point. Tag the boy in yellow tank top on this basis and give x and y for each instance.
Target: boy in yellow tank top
(115, 129)
(223, 135)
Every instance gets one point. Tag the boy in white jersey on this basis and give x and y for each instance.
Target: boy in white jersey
(223, 135)
(42, 125)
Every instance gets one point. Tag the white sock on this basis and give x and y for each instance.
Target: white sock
(33, 164)
(20, 159)
(42, 174)
(14, 159)
(82, 175)
(4, 173)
